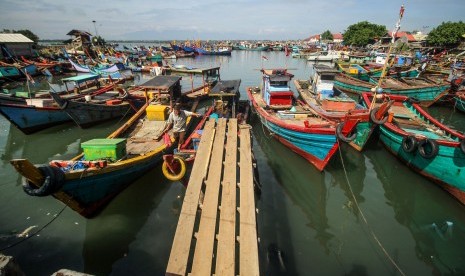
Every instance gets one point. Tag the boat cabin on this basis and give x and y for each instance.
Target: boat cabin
(162, 87)
(323, 81)
(276, 90)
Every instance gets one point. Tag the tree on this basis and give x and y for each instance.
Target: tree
(98, 40)
(327, 35)
(26, 33)
(447, 34)
(363, 33)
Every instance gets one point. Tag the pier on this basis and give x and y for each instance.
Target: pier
(217, 230)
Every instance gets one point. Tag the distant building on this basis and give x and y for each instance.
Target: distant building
(338, 38)
(407, 37)
(313, 39)
(15, 45)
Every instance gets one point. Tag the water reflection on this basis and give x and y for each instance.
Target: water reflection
(433, 217)
(108, 237)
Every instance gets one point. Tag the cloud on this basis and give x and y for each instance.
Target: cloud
(217, 19)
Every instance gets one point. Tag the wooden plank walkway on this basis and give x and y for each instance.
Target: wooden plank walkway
(217, 231)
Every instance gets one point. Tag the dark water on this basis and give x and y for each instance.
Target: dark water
(309, 223)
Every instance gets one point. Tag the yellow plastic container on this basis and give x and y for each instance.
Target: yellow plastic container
(157, 112)
(353, 71)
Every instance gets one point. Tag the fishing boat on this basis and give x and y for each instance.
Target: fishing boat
(221, 51)
(420, 90)
(333, 105)
(290, 121)
(326, 56)
(90, 110)
(107, 166)
(42, 112)
(424, 144)
(226, 103)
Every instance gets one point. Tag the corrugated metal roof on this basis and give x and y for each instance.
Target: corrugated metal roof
(14, 38)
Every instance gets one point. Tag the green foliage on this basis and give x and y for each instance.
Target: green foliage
(363, 33)
(26, 33)
(447, 34)
(327, 35)
(98, 40)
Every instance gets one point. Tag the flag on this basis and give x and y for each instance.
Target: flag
(264, 58)
(286, 50)
(401, 13)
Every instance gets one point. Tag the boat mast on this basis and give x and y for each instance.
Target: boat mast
(377, 88)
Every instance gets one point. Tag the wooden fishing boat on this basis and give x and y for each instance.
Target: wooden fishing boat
(226, 103)
(424, 144)
(337, 107)
(93, 109)
(292, 122)
(40, 113)
(420, 90)
(107, 166)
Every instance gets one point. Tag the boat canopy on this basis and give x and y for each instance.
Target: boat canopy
(161, 82)
(81, 78)
(226, 88)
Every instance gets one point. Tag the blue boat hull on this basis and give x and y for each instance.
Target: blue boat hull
(30, 119)
(317, 148)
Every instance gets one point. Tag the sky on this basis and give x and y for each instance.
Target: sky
(219, 19)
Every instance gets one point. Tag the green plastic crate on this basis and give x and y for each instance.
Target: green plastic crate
(110, 149)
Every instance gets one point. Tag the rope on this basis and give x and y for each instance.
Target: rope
(37, 232)
(364, 218)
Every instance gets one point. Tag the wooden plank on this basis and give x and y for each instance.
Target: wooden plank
(248, 245)
(203, 255)
(225, 261)
(179, 255)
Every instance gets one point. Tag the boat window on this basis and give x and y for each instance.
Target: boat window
(327, 77)
(278, 83)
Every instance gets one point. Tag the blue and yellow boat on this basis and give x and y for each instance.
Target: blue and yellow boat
(107, 166)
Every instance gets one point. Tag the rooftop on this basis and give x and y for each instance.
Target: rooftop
(14, 38)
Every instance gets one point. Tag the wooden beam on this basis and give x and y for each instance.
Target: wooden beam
(203, 255)
(179, 255)
(226, 252)
(248, 247)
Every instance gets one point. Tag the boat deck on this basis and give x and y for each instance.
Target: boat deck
(143, 137)
(217, 231)
(301, 116)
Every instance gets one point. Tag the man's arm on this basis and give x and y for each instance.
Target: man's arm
(165, 129)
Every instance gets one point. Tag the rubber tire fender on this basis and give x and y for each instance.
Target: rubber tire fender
(174, 177)
(341, 136)
(409, 143)
(373, 117)
(54, 180)
(434, 148)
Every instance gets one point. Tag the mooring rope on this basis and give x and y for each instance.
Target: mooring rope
(364, 218)
(35, 233)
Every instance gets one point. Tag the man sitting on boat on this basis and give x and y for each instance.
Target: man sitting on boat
(177, 120)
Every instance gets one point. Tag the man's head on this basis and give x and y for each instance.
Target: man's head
(177, 108)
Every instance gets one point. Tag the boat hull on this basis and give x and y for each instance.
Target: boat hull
(451, 179)
(30, 119)
(426, 95)
(92, 191)
(315, 145)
